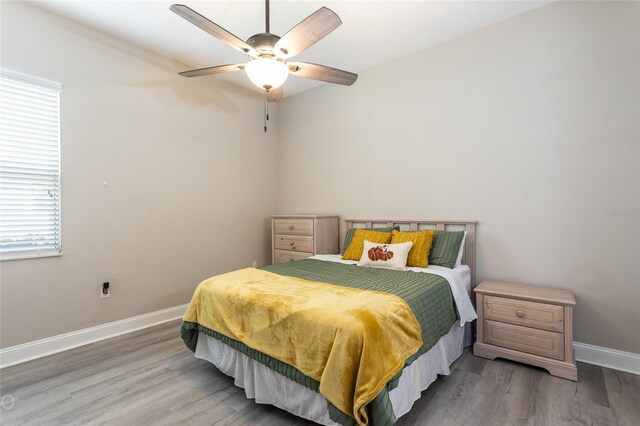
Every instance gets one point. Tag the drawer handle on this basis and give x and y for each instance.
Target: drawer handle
(293, 247)
(291, 243)
(520, 314)
(291, 227)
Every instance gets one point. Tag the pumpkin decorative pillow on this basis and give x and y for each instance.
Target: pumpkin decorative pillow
(380, 255)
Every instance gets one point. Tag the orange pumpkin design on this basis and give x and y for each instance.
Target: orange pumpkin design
(379, 253)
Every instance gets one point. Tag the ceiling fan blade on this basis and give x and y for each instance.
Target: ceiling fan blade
(308, 32)
(214, 29)
(212, 70)
(274, 95)
(322, 73)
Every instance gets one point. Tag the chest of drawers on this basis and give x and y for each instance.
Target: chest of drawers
(296, 237)
(528, 324)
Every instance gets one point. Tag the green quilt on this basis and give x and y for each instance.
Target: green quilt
(429, 297)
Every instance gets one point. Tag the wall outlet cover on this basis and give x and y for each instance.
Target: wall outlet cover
(104, 293)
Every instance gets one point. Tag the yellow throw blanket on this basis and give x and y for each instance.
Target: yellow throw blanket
(352, 341)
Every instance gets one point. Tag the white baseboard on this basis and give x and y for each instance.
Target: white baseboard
(26, 352)
(605, 357)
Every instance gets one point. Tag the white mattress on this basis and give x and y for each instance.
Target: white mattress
(268, 387)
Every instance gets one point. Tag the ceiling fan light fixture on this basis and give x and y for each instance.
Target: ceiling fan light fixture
(268, 68)
(267, 73)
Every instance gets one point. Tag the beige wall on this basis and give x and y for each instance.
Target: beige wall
(190, 176)
(530, 126)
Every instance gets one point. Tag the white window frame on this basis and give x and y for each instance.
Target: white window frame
(40, 83)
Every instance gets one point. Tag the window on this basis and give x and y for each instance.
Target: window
(29, 166)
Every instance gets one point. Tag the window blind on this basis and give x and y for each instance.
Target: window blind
(30, 224)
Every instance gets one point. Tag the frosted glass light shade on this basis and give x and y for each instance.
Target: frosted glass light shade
(267, 73)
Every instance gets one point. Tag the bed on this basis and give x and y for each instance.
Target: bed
(439, 298)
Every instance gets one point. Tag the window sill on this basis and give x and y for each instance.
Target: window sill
(28, 256)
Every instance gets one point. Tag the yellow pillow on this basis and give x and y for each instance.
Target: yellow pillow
(354, 252)
(422, 241)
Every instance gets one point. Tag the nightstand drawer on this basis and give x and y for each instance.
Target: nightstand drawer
(528, 314)
(294, 243)
(293, 226)
(283, 256)
(529, 340)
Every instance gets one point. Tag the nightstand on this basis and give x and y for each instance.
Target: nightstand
(296, 237)
(528, 324)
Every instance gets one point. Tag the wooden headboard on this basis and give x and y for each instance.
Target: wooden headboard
(469, 252)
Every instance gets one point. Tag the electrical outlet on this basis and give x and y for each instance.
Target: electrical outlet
(254, 263)
(105, 290)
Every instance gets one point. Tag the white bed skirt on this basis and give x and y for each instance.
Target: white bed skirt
(268, 387)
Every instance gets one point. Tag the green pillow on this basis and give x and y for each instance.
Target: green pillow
(445, 248)
(349, 235)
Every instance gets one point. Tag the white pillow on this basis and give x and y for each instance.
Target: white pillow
(461, 251)
(391, 256)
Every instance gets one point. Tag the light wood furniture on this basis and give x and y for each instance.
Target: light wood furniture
(528, 324)
(469, 250)
(296, 237)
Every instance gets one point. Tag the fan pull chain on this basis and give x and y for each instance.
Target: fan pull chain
(266, 114)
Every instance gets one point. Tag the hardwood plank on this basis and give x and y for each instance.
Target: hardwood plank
(486, 396)
(591, 388)
(519, 402)
(590, 414)
(623, 390)
(553, 399)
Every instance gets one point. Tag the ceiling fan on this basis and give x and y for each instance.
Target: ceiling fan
(269, 54)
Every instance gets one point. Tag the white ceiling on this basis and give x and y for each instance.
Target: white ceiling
(372, 32)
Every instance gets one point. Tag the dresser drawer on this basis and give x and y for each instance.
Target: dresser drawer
(293, 226)
(528, 314)
(294, 243)
(524, 339)
(283, 256)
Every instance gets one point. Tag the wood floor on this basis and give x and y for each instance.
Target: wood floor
(149, 377)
